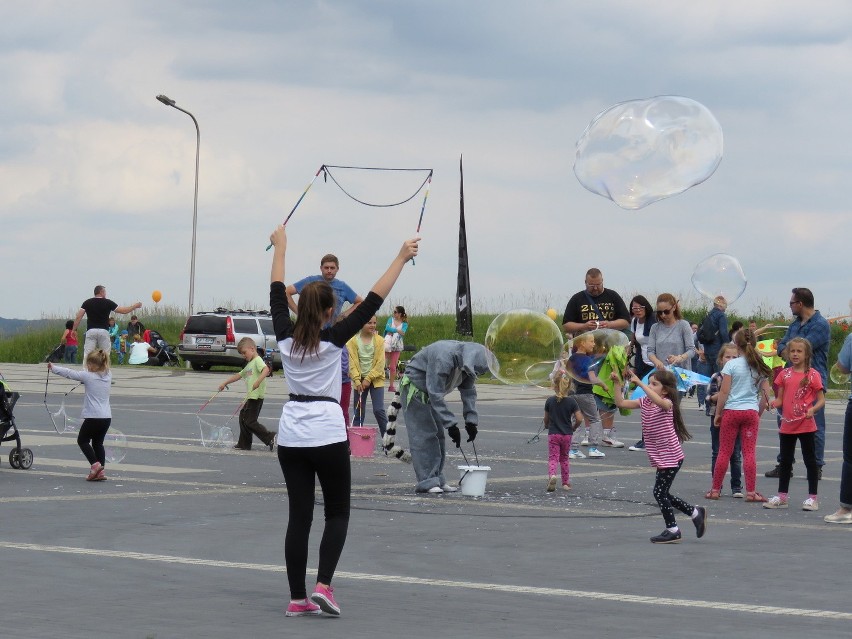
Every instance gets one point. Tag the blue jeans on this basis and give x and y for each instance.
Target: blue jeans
(70, 354)
(846, 470)
(819, 438)
(736, 459)
(377, 397)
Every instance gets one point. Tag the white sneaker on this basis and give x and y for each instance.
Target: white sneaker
(435, 490)
(585, 441)
(594, 452)
(810, 504)
(575, 454)
(775, 502)
(449, 489)
(608, 441)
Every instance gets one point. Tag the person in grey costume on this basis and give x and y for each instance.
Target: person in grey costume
(430, 375)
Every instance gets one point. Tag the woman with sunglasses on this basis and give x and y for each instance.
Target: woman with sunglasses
(640, 325)
(670, 340)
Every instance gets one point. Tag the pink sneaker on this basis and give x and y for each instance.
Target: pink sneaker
(101, 476)
(324, 598)
(301, 608)
(93, 473)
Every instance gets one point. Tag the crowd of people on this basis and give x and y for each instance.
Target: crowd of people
(330, 356)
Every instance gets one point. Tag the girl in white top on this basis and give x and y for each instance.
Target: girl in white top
(96, 414)
(312, 438)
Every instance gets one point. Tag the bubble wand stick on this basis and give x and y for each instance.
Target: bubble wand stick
(423, 206)
(302, 197)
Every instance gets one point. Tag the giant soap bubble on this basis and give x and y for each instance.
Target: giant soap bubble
(641, 151)
(522, 346)
(596, 346)
(719, 274)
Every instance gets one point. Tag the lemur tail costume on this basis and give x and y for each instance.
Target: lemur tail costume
(389, 440)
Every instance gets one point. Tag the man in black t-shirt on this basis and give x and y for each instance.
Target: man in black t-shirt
(592, 308)
(97, 310)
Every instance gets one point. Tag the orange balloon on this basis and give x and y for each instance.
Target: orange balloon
(156, 296)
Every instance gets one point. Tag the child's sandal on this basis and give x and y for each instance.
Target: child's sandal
(712, 494)
(755, 497)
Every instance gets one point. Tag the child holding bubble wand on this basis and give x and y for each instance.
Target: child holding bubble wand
(663, 430)
(312, 438)
(799, 393)
(96, 413)
(579, 366)
(561, 413)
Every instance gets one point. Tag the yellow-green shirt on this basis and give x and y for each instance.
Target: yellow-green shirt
(251, 373)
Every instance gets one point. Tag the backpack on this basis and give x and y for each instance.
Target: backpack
(707, 332)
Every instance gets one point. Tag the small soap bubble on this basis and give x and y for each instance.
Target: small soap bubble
(641, 151)
(838, 376)
(521, 347)
(720, 274)
(115, 446)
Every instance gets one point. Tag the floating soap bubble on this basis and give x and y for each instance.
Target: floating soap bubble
(215, 435)
(588, 351)
(518, 342)
(838, 376)
(641, 151)
(719, 274)
(115, 446)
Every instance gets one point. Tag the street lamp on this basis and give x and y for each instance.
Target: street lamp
(169, 102)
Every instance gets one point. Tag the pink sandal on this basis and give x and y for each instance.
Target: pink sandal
(712, 494)
(755, 497)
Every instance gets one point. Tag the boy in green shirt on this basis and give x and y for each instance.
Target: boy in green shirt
(255, 374)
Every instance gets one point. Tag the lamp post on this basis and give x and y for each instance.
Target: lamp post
(169, 102)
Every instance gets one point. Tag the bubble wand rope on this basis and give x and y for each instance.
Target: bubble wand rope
(301, 197)
(536, 437)
(61, 406)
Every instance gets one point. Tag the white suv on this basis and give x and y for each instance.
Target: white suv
(210, 338)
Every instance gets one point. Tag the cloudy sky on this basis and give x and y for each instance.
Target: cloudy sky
(96, 176)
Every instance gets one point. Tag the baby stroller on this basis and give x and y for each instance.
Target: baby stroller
(165, 355)
(21, 458)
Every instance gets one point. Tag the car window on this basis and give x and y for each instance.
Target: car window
(205, 325)
(266, 327)
(245, 325)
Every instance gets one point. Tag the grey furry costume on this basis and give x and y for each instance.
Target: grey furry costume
(429, 376)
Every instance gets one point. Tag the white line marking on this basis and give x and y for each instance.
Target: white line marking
(718, 606)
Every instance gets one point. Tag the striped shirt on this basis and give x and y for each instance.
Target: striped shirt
(661, 442)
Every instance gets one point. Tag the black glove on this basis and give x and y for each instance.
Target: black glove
(471, 431)
(455, 435)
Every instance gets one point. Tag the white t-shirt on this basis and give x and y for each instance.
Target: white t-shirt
(139, 353)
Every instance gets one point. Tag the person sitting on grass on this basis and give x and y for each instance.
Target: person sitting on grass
(140, 352)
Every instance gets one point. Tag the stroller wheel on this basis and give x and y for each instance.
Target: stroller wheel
(23, 461)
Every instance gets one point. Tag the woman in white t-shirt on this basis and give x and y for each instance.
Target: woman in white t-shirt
(312, 438)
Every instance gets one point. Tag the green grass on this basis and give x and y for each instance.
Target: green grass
(33, 346)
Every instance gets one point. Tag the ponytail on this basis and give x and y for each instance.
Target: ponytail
(314, 301)
(745, 341)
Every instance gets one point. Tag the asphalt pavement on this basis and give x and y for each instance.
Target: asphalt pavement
(187, 541)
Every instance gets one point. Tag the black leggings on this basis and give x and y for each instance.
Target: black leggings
(93, 430)
(665, 478)
(300, 467)
(788, 453)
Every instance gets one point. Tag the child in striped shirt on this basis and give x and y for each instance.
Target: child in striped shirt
(663, 430)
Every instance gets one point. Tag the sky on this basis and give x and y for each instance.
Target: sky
(97, 176)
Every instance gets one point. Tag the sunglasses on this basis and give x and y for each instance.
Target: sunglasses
(666, 311)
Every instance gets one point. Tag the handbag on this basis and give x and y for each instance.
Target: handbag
(393, 342)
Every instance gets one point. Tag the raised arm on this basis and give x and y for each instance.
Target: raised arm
(78, 319)
(279, 242)
(123, 310)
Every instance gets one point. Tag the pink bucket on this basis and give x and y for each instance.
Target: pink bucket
(362, 440)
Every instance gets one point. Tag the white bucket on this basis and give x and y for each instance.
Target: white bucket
(473, 480)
